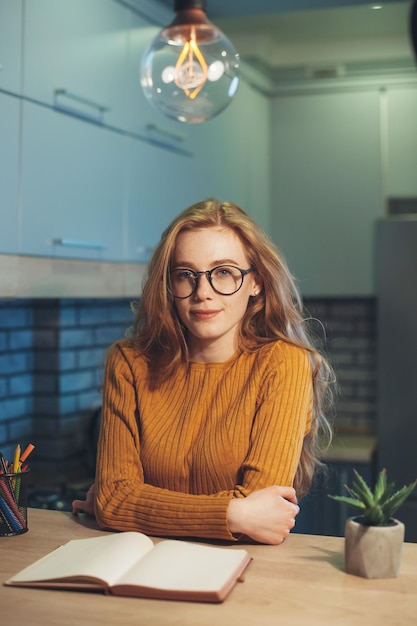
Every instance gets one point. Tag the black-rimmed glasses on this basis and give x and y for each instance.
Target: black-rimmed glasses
(224, 279)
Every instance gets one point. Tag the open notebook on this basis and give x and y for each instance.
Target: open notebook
(130, 564)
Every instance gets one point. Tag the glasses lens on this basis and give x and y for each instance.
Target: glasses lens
(226, 279)
(182, 283)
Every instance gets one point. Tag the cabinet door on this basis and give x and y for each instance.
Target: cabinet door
(402, 143)
(79, 46)
(326, 189)
(72, 187)
(10, 44)
(157, 190)
(9, 142)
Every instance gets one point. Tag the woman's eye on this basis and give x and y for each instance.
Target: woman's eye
(223, 271)
(185, 275)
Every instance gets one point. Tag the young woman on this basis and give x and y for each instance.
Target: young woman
(212, 420)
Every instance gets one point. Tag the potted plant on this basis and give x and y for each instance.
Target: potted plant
(374, 539)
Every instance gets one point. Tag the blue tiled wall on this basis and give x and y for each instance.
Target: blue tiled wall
(351, 346)
(51, 358)
(16, 368)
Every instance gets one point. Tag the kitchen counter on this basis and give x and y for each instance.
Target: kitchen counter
(45, 277)
(301, 582)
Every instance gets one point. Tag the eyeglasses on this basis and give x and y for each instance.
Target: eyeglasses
(224, 279)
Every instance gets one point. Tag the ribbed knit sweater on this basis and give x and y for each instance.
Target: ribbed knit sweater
(170, 459)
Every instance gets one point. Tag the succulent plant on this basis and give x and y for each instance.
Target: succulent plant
(378, 506)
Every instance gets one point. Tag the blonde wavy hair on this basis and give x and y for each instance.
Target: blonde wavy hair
(276, 313)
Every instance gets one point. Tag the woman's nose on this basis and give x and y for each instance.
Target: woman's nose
(204, 288)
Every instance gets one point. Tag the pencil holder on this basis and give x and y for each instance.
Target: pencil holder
(13, 503)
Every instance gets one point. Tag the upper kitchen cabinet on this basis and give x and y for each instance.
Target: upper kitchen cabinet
(327, 189)
(9, 142)
(401, 142)
(72, 189)
(157, 190)
(10, 45)
(76, 57)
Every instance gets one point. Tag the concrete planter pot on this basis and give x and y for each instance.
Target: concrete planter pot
(373, 551)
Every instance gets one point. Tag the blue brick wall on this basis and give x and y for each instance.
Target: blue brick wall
(16, 382)
(52, 354)
(351, 346)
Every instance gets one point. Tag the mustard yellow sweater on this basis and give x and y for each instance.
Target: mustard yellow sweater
(170, 460)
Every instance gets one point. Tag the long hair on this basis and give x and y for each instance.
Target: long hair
(276, 313)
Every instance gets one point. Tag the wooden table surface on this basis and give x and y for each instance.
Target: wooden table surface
(301, 582)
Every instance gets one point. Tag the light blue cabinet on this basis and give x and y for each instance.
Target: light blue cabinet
(157, 191)
(9, 142)
(10, 45)
(94, 68)
(72, 189)
(94, 186)
(76, 57)
(94, 180)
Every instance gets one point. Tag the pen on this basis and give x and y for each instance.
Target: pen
(4, 517)
(26, 453)
(3, 464)
(15, 521)
(7, 482)
(16, 459)
(11, 522)
(7, 497)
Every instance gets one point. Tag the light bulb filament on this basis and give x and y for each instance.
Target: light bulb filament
(191, 69)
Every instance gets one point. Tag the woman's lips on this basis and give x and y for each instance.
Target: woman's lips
(204, 315)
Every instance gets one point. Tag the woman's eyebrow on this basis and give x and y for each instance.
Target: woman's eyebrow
(212, 264)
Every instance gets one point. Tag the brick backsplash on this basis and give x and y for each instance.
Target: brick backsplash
(349, 340)
(16, 368)
(52, 354)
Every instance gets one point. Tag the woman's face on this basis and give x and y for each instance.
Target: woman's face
(212, 319)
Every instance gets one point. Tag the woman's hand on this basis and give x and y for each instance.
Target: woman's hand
(267, 515)
(87, 505)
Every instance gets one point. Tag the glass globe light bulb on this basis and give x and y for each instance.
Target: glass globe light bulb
(190, 72)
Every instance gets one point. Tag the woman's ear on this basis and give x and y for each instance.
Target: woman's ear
(257, 289)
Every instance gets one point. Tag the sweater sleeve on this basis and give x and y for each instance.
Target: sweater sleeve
(281, 422)
(124, 501)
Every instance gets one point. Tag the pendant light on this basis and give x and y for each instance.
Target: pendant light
(413, 27)
(190, 72)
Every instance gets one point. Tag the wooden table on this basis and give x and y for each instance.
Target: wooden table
(300, 582)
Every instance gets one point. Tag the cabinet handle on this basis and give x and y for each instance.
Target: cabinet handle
(144, 251)
(72, 96)
(76, 243)
(164, 133)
